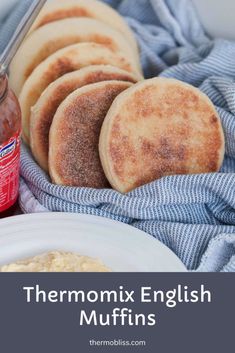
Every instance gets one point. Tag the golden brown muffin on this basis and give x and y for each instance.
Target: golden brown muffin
(43, 112)
(46, 40)
(60, 9)
(156, 128)
(65, 60)
(74, 135)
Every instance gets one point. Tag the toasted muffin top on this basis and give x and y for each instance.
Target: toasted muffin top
(74, 135)
(160, 127)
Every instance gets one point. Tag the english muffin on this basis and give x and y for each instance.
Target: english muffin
(65, 60)
(74, 135)
(48, 39)
(43, 112)
(56, 10)
(156, 128)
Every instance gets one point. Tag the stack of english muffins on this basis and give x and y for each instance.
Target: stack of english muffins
(89, 116)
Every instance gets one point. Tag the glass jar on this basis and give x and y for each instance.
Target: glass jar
(10, 129)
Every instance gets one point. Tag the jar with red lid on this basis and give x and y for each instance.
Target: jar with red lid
(10, 129)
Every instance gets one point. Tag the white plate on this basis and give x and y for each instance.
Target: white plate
(121, 247)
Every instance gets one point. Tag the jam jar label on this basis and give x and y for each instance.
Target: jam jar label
(9, 172)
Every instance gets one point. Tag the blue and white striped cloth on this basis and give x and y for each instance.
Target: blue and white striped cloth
(194, 215)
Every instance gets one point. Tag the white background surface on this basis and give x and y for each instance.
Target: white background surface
(217, 16)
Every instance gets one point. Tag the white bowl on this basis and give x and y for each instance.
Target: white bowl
(120, 247)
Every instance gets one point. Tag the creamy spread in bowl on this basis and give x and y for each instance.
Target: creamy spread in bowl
(56, 261)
